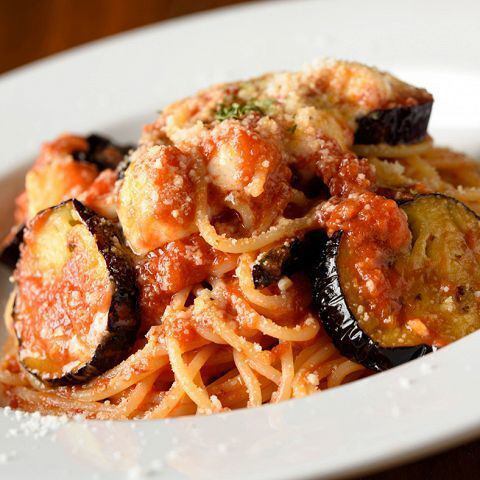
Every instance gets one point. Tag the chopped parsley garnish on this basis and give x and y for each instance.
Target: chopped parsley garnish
(239, 110)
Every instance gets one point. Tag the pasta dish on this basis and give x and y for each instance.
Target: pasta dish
(264, 240)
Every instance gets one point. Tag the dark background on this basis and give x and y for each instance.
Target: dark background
(32, 29)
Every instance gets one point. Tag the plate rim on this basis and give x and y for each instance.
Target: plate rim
(45, 67)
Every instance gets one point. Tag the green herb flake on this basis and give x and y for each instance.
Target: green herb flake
(238, 110)
(292, 129)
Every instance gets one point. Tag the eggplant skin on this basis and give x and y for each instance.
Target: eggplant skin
(394, 126)
(102, 152)
(294, 255)
(10, 253)
(272, 265)
(340, 323)
(122, 167)
(123, 317)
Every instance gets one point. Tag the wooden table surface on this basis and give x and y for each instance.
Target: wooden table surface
(32, 29)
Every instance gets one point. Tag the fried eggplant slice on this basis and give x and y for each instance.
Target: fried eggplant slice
(75, 312)
(435, 287)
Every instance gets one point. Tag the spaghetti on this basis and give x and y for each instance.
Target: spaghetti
(219, 180)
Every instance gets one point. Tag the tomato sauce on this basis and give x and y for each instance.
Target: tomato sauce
(343, 172)
(243, 156)
(247, 169)
(169, 269)
(100, 196)
(376, 229)
(50, 183)
(60, 147)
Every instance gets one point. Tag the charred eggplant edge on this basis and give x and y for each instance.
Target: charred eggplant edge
(300, 254)
(394, 126)
(123, 316)
(96, 145)
(271, 265)
(10, 253)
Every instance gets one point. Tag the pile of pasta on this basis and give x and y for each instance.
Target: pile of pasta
(220, 342)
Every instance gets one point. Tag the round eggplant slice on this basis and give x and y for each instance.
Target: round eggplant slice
(10, 250)
(394, 126)
(102, 152)
(434, 295)
(75, 312)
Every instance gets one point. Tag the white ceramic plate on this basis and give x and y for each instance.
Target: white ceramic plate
(113, 87)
